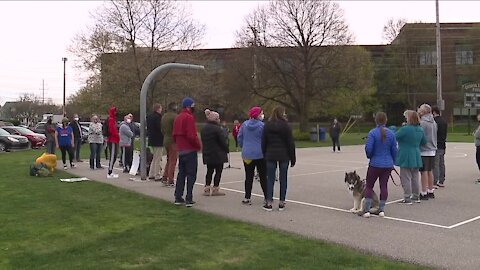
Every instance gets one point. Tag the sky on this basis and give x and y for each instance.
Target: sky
(36, 34)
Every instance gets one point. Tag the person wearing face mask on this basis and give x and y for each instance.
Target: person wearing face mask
(64, 141)
(476, 134)
(126, 136)
(77, 136)
(95, 140)
(155, 141)
(185, 136)
(250, 140)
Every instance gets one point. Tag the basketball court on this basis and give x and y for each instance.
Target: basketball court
(442, 233)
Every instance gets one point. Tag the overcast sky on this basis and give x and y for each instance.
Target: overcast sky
(36, 34)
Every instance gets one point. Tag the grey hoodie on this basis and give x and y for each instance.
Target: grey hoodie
(126, 134)
(430, 129)
(477, 136)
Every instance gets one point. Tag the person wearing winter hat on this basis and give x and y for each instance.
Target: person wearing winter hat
(214, 152)
(188, 144)
(250, 140)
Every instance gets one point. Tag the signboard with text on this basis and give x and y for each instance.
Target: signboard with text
(471, 96)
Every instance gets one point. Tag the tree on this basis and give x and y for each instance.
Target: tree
(298, 49)
(392, 28)
(140, 29)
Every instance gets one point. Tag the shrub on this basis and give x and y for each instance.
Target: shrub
(300, 136)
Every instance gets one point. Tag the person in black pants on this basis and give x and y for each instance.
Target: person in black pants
(77, 136)
(250, 140)
(335, 129)
(64, 140)
(214, 152)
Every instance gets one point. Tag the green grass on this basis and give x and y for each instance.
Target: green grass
(47, 224)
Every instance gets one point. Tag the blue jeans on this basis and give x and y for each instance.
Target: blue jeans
(283, 170)
(187, 169)
(95, 149)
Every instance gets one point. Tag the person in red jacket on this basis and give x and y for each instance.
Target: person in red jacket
(188, 144)
(235, 131)
(112, 141)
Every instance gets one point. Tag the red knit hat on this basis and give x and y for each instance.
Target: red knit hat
(254, 112)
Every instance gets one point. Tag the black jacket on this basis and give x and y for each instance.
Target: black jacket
(155, 135)
(441, 132)
(335, 130)
(277, 142)
(214, 144)
(77, 130)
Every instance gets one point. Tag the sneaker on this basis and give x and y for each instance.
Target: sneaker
(112, 176)
(424, 197)
(167, 184)
(72, 165)
(431, 195)
(440, 185)
(417, 200)
(364, 214)
(65, 167)
(189, 203)
(267, 207)
(179, 201)
(381, 214)
(247, 201)
(435, 186)
(281, 206)
(405, 201)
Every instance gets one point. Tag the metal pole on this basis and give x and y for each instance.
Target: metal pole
(440, 101)
(147, 84)
(64, 59)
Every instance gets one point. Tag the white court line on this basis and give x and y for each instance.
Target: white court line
(336, 161)
(347, 211)
(232, 182)
(322, 164)
(463, 222)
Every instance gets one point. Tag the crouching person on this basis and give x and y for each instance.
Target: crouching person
(215, 150)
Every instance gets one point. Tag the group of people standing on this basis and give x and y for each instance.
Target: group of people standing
(418, 148)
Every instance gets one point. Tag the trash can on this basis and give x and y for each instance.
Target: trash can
(313, 134)
(322, 133)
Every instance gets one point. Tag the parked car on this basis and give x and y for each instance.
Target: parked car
(39, 128)
(9, 141)
(36, 140)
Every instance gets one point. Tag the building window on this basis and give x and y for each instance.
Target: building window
(427, 57)
(464, 55)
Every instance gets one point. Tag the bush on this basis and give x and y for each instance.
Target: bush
(300, 136)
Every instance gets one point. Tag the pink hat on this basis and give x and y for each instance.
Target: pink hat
(212, 115)
(254, 112)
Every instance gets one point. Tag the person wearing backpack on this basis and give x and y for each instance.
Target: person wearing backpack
(113, 141)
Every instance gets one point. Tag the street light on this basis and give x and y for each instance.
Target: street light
(64, 59)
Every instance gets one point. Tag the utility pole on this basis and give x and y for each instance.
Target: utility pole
(440, 101)
(64, 59)
(43, 91)
(255, 83)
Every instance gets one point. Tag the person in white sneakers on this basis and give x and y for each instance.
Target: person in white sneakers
(113, 140)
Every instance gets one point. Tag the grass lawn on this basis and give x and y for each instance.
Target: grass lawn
(47, 224)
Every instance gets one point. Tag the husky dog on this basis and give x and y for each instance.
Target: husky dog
(357, 187)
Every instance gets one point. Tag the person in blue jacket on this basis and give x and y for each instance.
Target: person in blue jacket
(250, 140)
(381, 149)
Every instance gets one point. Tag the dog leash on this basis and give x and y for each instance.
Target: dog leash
(391, 177)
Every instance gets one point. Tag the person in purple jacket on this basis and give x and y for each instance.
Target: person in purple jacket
(381, 149)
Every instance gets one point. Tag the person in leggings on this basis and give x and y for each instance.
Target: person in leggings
(381, 149)
(250, 140)
(64, 141)
(113, 141)
(214, 152)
